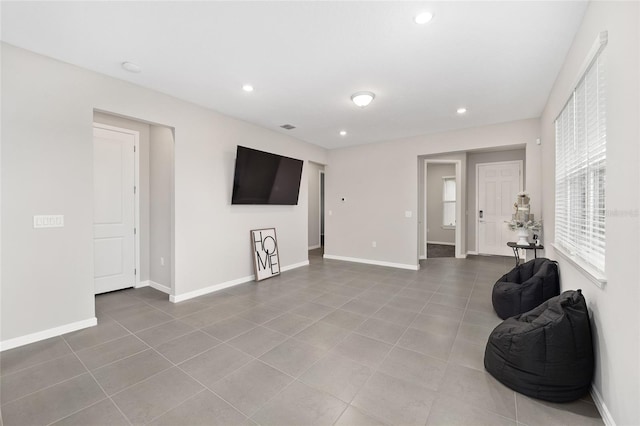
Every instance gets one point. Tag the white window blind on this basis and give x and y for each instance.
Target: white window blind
(449, 201)
(581, 159)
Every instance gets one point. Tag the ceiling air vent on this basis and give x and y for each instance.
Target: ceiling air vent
(288, 126)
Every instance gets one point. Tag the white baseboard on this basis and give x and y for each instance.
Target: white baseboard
(317, 246)
(442, 243)
(422, 257)
(602, 408)
(472, 252)
(160, 287)
(141, 284)
(373, 262)
(212, 288)
(294, 266)
(221, 286)
(46, 334)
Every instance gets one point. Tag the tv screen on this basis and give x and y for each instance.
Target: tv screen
(264, 178)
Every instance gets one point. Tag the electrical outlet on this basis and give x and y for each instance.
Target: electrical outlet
(374, 244)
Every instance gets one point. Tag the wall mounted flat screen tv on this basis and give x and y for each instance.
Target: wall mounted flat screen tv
(264, 178)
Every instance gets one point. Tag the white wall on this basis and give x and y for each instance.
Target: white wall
(161, 205)
(314, 204)
(435, 230)
(475, 158)
(380, 183)
(47, 169)
(615, 309)
(143, 181)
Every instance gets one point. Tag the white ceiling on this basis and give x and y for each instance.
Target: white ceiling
(498, 59)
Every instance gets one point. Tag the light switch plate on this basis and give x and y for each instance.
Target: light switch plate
(48, 221)
(408, 213)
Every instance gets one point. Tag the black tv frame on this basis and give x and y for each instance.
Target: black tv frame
(264, 178)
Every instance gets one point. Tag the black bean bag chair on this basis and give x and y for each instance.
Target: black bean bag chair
(546, 353)
(525, 287)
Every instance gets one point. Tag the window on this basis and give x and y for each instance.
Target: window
(449, 201)
(581, 159)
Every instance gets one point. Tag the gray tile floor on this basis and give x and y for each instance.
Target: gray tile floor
(331, 343)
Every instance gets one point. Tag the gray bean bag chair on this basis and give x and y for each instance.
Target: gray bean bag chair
(546, 353)
(525, 287)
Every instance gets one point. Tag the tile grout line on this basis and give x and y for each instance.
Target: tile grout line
(36, 364)
(251, 359)
(458, 331)
(205, 387)
(173, 365)
(408, 327)
(297, 379)
(99, 385)
(376, 370)
(140, 381)
(43, 388)
(464, 313)
(74, 353)
(203, 390)
(395, 345)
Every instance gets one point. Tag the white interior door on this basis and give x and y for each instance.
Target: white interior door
(113, 209)
(498, 187)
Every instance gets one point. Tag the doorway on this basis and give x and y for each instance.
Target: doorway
(498, 185)
(154, 206)
(115, 208)
(315, 224)
(441, 221)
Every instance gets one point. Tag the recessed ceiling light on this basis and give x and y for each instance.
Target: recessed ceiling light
(362, 99)
(131, 67)
(423, 18)
(247, 88)
(343, 133)
(461, 110)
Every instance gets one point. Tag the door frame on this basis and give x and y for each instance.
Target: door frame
(477, 206)
(136, 195)
(459, 233)
(320, 212)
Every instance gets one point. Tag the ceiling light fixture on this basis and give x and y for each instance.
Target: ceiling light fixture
(461, 110)
(247, 88)
(131, 67)
(362, 99)
(343, 133)
(423, 17)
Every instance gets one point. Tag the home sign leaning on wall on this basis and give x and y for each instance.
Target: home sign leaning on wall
(264, 246)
